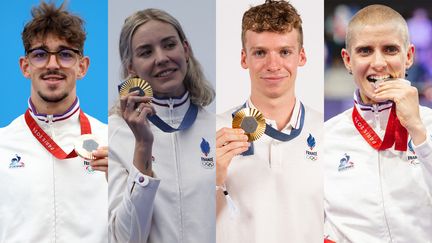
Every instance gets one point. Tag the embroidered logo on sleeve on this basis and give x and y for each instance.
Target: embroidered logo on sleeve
(310, 154)
(16, 162)
(206, 162)
(412, 157)
(345, 163)
(88, 167)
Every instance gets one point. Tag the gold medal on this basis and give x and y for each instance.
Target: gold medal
(251, 121)
(134, 84)
(85, 145)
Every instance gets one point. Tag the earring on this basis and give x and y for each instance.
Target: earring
(350, 71)
(406, 73)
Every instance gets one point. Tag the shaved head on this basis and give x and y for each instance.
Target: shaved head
(374, 15)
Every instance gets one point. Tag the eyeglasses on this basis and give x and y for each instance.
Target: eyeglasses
(40, 57)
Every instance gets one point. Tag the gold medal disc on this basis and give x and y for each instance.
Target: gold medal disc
(134, 84)
(85, 145)
(251, 121)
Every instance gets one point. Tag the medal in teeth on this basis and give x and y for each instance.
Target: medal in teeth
(378, 79)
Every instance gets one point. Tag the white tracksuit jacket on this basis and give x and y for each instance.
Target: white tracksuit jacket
(45, 199)
(178, 204)
(277, 190)
(376, 196)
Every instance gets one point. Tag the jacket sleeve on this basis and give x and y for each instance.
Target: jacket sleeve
(131, 195)
(424, 150)
(424, 155)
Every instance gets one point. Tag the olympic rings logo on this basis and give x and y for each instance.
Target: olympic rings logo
(312, 157)
(208, 164)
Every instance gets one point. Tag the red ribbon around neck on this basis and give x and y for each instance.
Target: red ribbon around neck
(46, 140)
(395, 133)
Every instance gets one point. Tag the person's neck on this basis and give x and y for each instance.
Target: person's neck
(279, 109)
(365, 100)
(51, 108)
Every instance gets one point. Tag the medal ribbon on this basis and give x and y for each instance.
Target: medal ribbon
(275, 134)
(46, 140)
(395, 133)
(188, 120)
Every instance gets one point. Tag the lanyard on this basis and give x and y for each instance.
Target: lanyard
(275, 134)
(46, 140)
(395, 133)
(188, 120)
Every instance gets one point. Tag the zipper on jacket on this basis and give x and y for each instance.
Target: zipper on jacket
(171, 108)
(376, 115)
(52, 134)
(177, 162)
(382, 196)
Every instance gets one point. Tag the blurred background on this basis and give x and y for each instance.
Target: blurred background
(339, 85)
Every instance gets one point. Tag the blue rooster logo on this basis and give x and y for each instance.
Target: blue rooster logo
(345, 163)
(311, 141)
(205, 147)
(16, 162)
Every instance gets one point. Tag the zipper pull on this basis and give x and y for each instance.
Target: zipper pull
(376, 115)
(171, 108)
(50, 119)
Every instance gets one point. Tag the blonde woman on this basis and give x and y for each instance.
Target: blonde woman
(161, 161)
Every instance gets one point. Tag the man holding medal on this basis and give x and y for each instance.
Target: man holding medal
(378, 155)
(269, 187)
(50, 190)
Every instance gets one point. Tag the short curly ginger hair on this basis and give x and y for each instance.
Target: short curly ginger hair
(272, 16)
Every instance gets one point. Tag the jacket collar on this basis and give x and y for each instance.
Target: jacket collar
(72, 111)
(171, 109)
(375, 115)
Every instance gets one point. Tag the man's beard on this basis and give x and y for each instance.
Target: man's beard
(54, 99)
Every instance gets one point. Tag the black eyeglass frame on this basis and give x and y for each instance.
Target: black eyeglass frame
(55, 53)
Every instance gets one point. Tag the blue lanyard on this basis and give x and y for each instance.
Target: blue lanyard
(188, 120)
(275, 134)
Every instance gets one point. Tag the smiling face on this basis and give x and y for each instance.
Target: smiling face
(376, 52)
(53, 84)
(272, 60)
(160, 58)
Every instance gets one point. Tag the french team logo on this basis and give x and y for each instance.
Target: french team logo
(206, 162)
(16, 162)
(345, 163)
(310, 154)
(88, 167)
(412, 158)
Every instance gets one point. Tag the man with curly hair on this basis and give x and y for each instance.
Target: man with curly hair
(49, 193)
(270, 190)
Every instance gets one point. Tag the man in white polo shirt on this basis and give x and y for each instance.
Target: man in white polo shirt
(270, 190)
